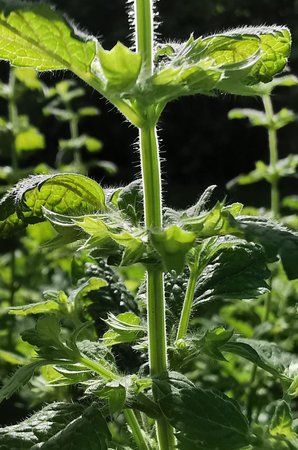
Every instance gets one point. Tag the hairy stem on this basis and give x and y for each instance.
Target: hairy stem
(129, 414)
(137, 432)
(273, 152)
(151, 175)
(187, 305)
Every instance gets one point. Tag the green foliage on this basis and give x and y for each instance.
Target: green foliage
(40, 426)
(61, 193)
(36, 45)
(275, 238)
(205, 253)
(205, 419)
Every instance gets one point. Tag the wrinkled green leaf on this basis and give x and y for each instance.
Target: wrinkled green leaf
(40, 426)
(35, 35)
(205, 418)
(236, 271)
(276, 240)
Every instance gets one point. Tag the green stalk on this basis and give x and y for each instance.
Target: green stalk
(187, 305)
(13, 117)
(129, 414)
(273, 151)
(151, 175)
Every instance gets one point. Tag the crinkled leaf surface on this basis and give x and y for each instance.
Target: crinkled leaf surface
(62, 193)
(237, 271)
(234, 61)
(89, 432)
(205, 418)
(40, 426)
(275, 238)
(35, 35)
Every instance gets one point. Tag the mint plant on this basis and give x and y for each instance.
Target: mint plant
(69, 157)
(277, 168)
(218, 252)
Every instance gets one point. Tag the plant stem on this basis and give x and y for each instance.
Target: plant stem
(272, 136)
(151, 175)
(13, 118)
(135, 429)
(129, 414)
(187, 305)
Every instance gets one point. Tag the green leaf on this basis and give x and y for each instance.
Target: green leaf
(29, 140)
(92, 284)
(236, 61)
(205, 418)
(12, 358)
(89, 431)
(45, 307)
(236, 270)
(286, 167)
(286, 81)
(276, 240)
(259, 118)
(92, 144)
(256, 118)
(39, 427)
(115, 392)
(214, 340)
(19, 379)
(124, 328)
(120, 66)
(173, 244)
(60, 193)
(291, 202)
(266, 355)
(88, 111)
(282, 421)
(35, 35)
(130, 201)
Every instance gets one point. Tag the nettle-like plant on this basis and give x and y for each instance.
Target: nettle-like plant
(277, 169)
(221, 254)
(62, 106)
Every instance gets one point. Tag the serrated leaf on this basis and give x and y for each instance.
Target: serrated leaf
(89, 431)
(35, 35)
(39, 427)
(276, 240)
(232, 61)
(59, 193)
(237, 271)
(205, 418)
(173, 244)
(266, 355)
(120, 66)
(130, 201)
